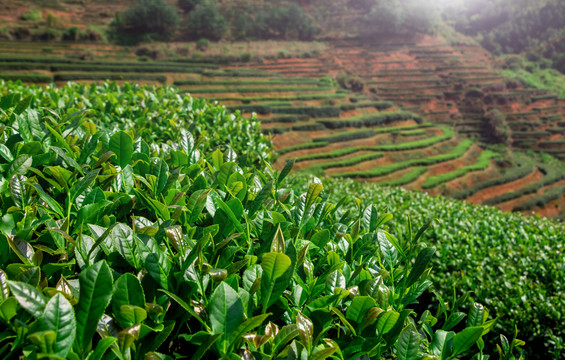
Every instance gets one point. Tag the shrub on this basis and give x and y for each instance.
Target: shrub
(497, 127)
(203, 44)
(32, 15)
(349, 82)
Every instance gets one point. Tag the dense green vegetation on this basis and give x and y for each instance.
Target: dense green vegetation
(128, 108)
(515, 27)
(118, 242)
(512, 262)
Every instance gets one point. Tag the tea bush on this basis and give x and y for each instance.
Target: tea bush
(155, 114)
(120, 246)
(513, 263)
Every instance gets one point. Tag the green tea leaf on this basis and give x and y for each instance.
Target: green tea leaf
(286, 170)
(475, 317)
(408, 344)
(95, 294)
(28, 297)
(127, 291)
(59, 317)
(420, 265)
(359, 307)
(20, 165)
(274, 266)
(386, 321)
(121, 144)
(466, 338)
(51, 203)
(205, 346)
(101, 348)
(226, 314)
(260, 199)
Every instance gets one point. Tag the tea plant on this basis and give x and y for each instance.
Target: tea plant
(113, 246)
(512, 263)
(154, 114)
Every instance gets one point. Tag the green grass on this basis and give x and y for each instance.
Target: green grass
(482, 163)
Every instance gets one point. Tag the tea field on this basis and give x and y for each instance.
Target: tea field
(199, 212)
(385, 134)
(126, 236)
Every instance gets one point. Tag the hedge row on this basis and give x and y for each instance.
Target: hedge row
(457, 152)
(298, 147)
(222, 90)
(309, 126)
(63, 61)
(369, 120)
(544, 97)
(26, 77)
(311, 111)
(524, 169)
(541, 200)
(297, 97)
(112, 77)
(419, 144)
(552, 174)
(407, 178)
(351, 161)
(134, 68)
(247, 108)
(345, 136)
(278, 81)
(379, 105)
(551, 144)
(558, 130)
(284, 119)
(482, 163)
(23, 66)
(416, 132)
(239, 73)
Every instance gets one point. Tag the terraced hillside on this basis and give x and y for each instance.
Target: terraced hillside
(455, 88)
(421, 102)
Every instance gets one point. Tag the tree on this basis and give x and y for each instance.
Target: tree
(206, 21)
(188, 5)
(148, 19)
(401, 17)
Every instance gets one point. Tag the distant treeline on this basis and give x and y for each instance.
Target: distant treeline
(515, 26)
